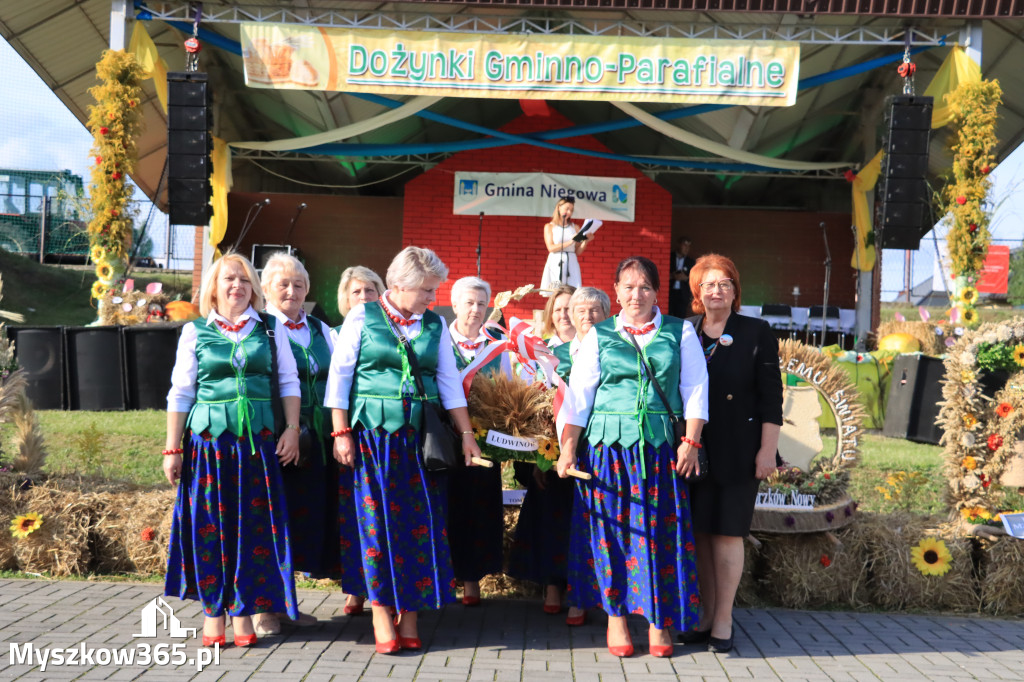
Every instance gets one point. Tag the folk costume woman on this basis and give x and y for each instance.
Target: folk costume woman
(311, 484)
(377, 414)
(229, 545)
(476, 515)
(358, 284)
(745, 402)
(540, 549)
(633, 519)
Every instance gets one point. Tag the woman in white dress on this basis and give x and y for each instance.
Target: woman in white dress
(562, 266)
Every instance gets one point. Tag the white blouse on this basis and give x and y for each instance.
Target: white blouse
(182, 395)
(470, 355)
(301, 336)
(346, 354)
(693, 372)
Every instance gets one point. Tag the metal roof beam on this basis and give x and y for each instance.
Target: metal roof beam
(178, 10)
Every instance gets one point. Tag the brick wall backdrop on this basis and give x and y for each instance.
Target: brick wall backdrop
(775, 251)
(513, 247)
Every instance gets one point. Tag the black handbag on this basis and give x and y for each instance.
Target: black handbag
(438, 440)
(305, 435)
(678, 424)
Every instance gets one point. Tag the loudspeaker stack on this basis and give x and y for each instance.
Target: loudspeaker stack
(189, 143)
(906, 198)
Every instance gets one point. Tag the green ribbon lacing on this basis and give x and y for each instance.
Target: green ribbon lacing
(407, 378)
(640, 412)
(318, 413)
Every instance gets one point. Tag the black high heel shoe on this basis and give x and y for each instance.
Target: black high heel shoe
(717, 645)
(694, 636)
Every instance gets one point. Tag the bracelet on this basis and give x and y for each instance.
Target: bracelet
(465, 432)
(292, 426)
(341, 432)
(174, 451)
(692, 442)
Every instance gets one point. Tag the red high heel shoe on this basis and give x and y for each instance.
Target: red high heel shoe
(660, 650)
(211, 641)
(410, 643)
(392, 647)
(245, 640)
(576, 621)
(552, 609)
(622, 651)
(471, 601)
(353, 609)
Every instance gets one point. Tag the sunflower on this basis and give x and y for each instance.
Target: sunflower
(970, 316)
(969, 463)
(97, 253)
(98, 290)
(931, 557)
(1004, 410)
(548, 448)
(1018, 354)
(968, 296)
(104, 271)
(975, 514)
(22, 526)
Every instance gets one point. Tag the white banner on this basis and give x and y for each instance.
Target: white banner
(535, 194)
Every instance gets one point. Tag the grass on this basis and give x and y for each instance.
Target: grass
(987, 312)
(52, 295)
(125, 446)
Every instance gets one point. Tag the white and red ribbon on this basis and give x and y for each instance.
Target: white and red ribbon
(527, 347)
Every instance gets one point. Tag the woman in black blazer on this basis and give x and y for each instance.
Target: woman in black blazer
(742, 437)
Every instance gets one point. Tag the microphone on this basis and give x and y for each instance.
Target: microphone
(250, 218)
(298, 209)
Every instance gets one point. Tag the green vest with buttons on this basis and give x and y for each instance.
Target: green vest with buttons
(314, 384)
(627, 408)
(382, 376)
(232, 397)
(564, 355)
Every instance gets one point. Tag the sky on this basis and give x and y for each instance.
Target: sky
(40, 133)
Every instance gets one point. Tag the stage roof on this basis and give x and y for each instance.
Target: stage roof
(839, 120)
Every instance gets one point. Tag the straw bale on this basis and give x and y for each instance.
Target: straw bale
(897, 584)
(10, 506)
(1002, 588)
(795, 574)
(60, 546)
(118, 532)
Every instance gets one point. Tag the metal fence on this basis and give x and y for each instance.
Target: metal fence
(913, 274)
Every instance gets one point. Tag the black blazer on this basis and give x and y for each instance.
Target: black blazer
(745, 392)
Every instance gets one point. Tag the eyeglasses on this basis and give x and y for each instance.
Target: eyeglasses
(723, 285)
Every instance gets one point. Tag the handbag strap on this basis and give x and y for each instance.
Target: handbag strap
(275, 380)
(654, 381)
(410, 354)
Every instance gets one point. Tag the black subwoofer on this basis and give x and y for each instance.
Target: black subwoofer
(915, 391)
(40, 352)
(95, 368)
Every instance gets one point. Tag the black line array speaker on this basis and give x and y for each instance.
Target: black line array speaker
(40, 352)
(149, 353)
(95, 368)
(189, 143)
(915, 392)
(906, 199)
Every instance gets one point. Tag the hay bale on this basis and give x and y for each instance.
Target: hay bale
(1002, 589)
(130, 534)
(10, 507)
(886, 540)
(60, 546)
(810, 570)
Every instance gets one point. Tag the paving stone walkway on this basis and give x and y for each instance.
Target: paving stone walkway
(502, 640)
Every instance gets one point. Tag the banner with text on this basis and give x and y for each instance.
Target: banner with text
(535, 194)
(628, 68)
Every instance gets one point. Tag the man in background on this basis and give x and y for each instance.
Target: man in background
(679, 292)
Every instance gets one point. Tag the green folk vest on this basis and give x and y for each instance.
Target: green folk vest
(231, 398)
(625, 400)
(562, 352)
(382, 376)
(314, 384)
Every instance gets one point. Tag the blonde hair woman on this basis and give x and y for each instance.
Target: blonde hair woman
(357, 285)
(556, 326)
(377, 414)
(562, 265)
(229, 547)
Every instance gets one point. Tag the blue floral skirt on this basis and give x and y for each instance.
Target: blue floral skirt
(229, 543)
(401, 514)
(631, 542)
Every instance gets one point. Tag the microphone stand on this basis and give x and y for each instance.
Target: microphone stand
(298, 210)
(250, 218)
(479, 242)
(828, 277)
